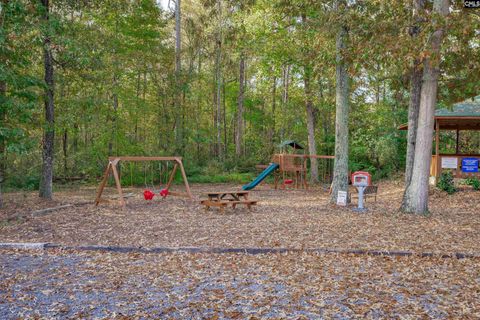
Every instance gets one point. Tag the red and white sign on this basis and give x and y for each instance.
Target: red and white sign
(360, 176)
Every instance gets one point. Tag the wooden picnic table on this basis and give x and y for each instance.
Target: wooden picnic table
(228, 196)
(225, 198)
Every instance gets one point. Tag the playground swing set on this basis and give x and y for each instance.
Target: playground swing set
(150, 189)
(291, 168)
(150, 192)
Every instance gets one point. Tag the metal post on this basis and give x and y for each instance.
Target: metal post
(361, 190)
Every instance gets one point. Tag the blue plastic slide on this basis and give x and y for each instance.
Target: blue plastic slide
(272, 167)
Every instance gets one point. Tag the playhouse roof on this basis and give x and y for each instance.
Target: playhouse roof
(292, 143)
(463, 115)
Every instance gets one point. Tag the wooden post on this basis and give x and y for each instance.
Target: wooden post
(305, 171)
(456, 146)
(437, 149)
(184, 176)
(103, 183)
(117, 183)
(172, 175)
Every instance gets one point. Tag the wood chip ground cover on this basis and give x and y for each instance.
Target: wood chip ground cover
(288, 219)
(62, 284)
(70, 284)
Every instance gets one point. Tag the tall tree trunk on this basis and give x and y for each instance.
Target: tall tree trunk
(114, 118)
(271, 130)
(340, 170)
(415, 90)
(137, 96)
(3, 115)
(224, 119)
(239, 131)
(65, 152)
(286, 81)
(416, 194)
(3, 143)
(197, 119)
(179, 143)
(218, 79)
(75, 138)
(46, 184)
(413, 109)
(312, 145)
(145, 115)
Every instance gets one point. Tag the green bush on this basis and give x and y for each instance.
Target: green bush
(474, 182)
(446, 182)
(26, 182)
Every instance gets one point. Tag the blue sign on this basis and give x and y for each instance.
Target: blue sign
(470, 165)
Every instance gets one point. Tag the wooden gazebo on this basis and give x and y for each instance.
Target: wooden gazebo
(463, 116)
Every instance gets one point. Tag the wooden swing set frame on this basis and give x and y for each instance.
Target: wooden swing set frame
(112, 168)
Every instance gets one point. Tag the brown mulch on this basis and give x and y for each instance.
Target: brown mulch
(287, 219)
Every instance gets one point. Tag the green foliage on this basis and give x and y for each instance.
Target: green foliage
(239, 178)
(446, 182)
(115, 84)
(16, 76)
(25, 182)
(473, 182)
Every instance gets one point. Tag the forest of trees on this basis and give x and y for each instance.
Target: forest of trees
(222, 82)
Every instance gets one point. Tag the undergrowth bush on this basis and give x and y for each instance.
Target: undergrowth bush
(446, 182)
(474, 182)
(25, 182)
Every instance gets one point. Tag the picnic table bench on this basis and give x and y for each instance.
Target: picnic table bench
(225, 198)
(370, 191)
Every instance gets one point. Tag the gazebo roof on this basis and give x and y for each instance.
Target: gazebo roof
(467, 108)
(463, 115)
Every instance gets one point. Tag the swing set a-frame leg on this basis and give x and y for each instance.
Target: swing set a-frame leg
(103, 183)
(111, 167)
(172, 175)
(179, 164)
(118, 184)
(185, 181)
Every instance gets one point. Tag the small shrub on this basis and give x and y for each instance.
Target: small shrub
(474, 182)
(446, 182)
(25, 182)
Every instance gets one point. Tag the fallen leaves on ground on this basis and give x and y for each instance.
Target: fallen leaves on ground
(66, 284)
(290, 219)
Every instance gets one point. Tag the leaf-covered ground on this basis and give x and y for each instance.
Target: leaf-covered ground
(71, 284)
(63, 284)
(287, 219)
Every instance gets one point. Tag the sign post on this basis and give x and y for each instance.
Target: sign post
(361, 180)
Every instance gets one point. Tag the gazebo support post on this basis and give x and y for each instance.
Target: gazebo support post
(456, 146)
(437, 150)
